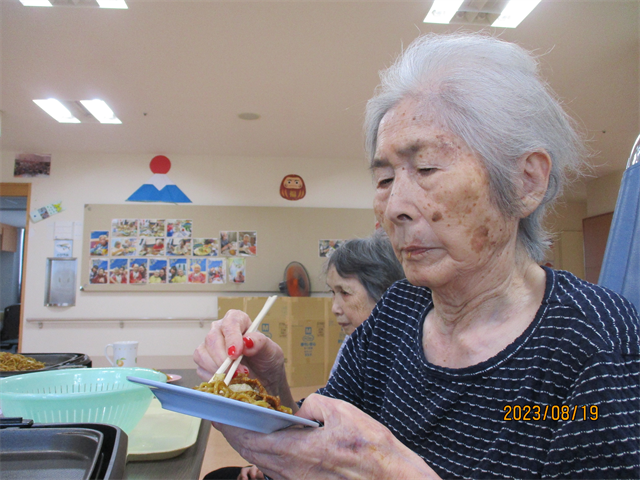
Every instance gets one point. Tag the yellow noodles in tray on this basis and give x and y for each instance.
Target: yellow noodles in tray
(14, 362)
(244, 389)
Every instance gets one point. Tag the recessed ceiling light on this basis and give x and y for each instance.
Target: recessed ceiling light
(249, 116)
(514, 13)
(442, 11)
(36, 3)
(100, 110)
(57, 110)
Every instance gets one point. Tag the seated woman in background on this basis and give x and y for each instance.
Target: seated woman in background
(482, 363)
(357, 273)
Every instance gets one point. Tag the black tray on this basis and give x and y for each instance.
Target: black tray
(53, 361)
(51, 453)
(110, 458)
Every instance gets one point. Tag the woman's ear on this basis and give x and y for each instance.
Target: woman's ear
(535, 169)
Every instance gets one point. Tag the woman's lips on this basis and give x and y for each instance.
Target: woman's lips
(414, 251)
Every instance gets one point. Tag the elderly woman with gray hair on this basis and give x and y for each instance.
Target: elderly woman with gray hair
(482, 363)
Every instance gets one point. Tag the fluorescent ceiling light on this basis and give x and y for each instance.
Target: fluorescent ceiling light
(514, 13)
(100, 110)
(442, 11)
(36, 3)
(112, 4)
(57, 110)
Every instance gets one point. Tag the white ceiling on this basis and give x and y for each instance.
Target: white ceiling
(177, 73)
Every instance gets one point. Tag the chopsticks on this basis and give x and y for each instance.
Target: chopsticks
(252, 328)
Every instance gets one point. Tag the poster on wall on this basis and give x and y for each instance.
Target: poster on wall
(124, 227)
(32, 165)
(237, 269)
(327, 247)
(217, 270)
(138, 270)
(197, 269)
(292, 188)
(150, 246)
(159, 188)
(157, 270)
(177, 270)
(99, 268)
(63, 248)
(205, 247)
(99, 243)
(178, 246)
(151, 227)
(248, 243)
(119, 270)
(228, 243)
(179, 228)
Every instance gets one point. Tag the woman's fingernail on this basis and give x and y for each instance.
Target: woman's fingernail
(247, 342)
(232, 350)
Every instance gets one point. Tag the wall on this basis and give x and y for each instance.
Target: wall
(565, 220)
(602, 194)
(110, 179)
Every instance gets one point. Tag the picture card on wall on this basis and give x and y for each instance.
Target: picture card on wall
(151, 227)
(124, 227)
(178, 246)
(99, 269)
(179, 228)
(119, 270)
(205, 247)
(197, 270)
(228, 243)
(327, 247)
(138, 270)
(123, 246)
(157, 270)
(149, 246)
(237, 268)
(177, 270)
(217, 270)
(99, 243)
(248, 243)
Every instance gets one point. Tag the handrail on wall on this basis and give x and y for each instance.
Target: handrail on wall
(121, 321)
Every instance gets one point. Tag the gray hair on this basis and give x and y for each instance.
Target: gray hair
(488, 93)
(371, 260)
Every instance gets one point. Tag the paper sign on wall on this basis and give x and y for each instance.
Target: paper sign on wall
(46, 211)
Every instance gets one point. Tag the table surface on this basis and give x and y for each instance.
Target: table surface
(187, 465)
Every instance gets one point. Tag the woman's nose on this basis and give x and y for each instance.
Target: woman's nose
(336, 309)
(400, 203)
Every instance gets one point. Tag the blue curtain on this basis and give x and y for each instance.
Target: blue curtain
(621, 264)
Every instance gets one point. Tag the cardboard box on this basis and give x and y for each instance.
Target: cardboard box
(299, 326)
(230, 303)
(334, 336)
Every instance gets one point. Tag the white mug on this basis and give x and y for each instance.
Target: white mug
(125, 354)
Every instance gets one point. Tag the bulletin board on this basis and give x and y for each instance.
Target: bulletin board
(283, 235)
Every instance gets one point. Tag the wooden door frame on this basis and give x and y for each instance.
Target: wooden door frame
(20, 190)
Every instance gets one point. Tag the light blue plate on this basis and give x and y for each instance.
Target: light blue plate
(220, 409)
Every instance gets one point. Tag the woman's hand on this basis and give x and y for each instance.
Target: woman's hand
(250, 473)
(351, 444)
(263, 357)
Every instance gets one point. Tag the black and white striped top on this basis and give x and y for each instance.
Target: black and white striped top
(581, 350)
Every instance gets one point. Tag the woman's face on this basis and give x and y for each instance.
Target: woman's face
(352, 304)
(432, 197)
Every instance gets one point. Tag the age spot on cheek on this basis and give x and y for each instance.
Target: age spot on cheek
(479, 238)
(437, 216)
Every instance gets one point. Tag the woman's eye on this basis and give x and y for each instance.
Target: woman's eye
(384, 182)
(426, 171)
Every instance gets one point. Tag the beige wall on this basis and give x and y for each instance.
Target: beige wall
(110, 179)
(602, 194)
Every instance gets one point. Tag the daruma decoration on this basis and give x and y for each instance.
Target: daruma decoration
(292, 187)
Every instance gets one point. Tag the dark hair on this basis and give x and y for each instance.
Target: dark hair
(371, 260)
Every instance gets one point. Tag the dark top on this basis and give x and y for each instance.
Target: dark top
(562, 401)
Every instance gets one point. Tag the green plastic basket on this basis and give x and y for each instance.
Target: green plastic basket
(83, 395)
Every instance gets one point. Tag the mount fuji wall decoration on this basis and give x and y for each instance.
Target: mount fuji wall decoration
(159, 188)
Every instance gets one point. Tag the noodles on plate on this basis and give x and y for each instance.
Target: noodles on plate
(245, 389)
(14, 362)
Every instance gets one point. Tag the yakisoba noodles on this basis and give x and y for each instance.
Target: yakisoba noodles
(245, 389)
(14, 362)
